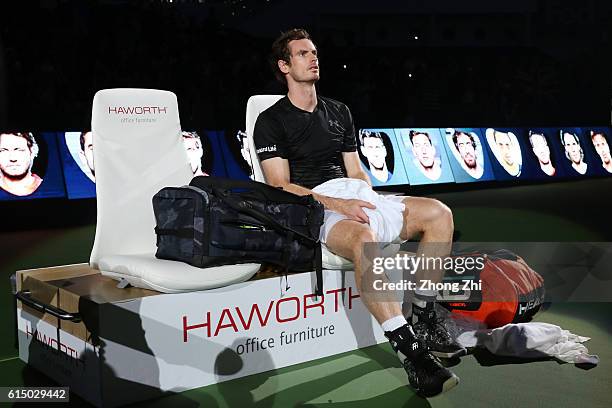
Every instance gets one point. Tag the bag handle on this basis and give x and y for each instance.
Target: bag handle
(25, 296)
(267, 191)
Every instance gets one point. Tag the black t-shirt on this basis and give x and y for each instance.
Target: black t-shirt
(312, 142)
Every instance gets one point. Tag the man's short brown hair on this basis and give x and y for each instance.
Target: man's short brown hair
(29, 138)
(281, 51)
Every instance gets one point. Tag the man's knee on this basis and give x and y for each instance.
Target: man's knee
(439, 214)
(362, 237)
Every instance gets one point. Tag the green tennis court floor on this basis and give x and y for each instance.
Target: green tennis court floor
(373, 377)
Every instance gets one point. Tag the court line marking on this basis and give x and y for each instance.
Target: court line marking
(9, 359)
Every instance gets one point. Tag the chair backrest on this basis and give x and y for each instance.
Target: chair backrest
(137, 150)
(255, 105)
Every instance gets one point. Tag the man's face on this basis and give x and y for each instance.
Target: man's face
(88, 151)
(194, 152)
(466, 150)
(15, 156)
(504, 144)
(602, 148)
(374, 150)
(572, 148)
(304, 64)
(541, 149)
(423, 150)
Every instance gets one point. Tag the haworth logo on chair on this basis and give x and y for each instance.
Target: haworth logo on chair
(137, 110)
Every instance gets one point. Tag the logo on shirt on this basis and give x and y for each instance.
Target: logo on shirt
(334, 123)
(266, 149)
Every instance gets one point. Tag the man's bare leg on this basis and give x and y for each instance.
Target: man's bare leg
(425, 374)
(435, 221)
(347, 239)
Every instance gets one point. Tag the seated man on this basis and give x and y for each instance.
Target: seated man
(307, 145)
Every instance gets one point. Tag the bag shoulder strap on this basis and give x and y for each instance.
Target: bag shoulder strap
(270, 193)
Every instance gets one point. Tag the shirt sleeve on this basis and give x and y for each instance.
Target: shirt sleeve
(269, 138)
(349, 143)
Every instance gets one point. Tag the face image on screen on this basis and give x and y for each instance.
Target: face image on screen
(573, 151)
(424, 156)
(506, 149)
(29, 166)
(600, 141)
(233, 146)
(541, 148)
(18, 150)
(376, 153)
(466, 149)
(77, 159)
(80, 146)
(195, 152)
(245, 151)
(239, 164)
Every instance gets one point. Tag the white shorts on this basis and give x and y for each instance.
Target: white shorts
(386, 220)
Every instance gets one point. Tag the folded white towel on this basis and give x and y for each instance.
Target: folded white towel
(531, 340)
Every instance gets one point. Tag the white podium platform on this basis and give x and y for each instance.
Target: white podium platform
(135, 344)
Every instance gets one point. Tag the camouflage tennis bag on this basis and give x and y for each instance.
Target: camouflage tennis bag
(216, 221)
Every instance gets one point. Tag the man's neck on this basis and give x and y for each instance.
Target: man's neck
(513, 168)
(473, 170)
(548, 166)
(22, 186)
(303, 95)
(381, 174)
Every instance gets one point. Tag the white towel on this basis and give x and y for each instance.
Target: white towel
(531, 340)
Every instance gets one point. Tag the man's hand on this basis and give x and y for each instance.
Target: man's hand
(352, 208)
(276, 171)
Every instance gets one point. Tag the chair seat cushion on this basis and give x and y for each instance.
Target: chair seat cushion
(146, 271)
(333, 261)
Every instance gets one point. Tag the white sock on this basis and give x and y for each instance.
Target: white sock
(426, 293)
(421, 297)
(419, 302)
(394, 323)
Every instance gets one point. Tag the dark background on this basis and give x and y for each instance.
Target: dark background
(475, 63)
(540, 63)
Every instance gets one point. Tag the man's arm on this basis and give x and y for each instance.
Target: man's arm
(276, 170)
(352, 164)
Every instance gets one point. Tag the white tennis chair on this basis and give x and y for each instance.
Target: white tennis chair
(137, 151)
(257, 104)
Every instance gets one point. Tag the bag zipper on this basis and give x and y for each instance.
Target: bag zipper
(245, 225)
